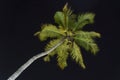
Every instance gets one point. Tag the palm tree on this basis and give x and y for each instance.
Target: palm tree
(66, 38)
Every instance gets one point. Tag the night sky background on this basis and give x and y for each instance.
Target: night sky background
(20, 19)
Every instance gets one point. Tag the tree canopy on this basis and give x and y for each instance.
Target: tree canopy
(69, 27)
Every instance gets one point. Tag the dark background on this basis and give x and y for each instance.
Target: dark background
(20, 19)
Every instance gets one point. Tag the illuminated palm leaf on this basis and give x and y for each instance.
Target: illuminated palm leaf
(61, 52)
(48, 47)
(90, 34)
(49, 31)
(87, 43)
(84, 19)
(77, 55)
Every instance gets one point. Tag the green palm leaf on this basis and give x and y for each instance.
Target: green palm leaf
(48, 47)
(49, 31)
(62, 59)
(87, 43)
(88, 34)
(59, 18)
(84, 19)
(77, 55)
(62, 54)
(85, 39)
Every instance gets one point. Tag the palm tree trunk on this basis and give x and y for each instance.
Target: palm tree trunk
(31, 60)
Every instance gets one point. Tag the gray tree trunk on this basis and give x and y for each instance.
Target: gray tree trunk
(31, 60)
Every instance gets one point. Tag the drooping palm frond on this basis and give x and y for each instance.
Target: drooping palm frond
(84, 19)
(61, 52)
(49, 31)
(62, 56)
(88, 34)
(77, 55)
(86, 40)
(87, 43)
(48, 47)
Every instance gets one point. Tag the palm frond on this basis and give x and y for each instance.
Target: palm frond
(67, 13)
(62, 59)
(94, 34)
(88, 34)
(62, 17)
(77, 55)
(48, 47)
(87, 43)
(59, 18)
(85, 39)
(52, 43)
(84, 19)
(62, 54)
(49, 31)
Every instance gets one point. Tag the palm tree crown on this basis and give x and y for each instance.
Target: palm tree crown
(70, 28)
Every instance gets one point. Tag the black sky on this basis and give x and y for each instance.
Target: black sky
(20, 19)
